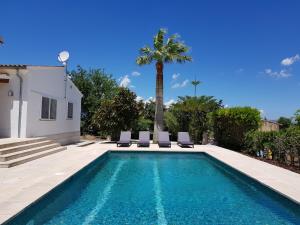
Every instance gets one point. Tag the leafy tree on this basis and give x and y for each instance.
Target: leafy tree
(171, 50)
(297, 117)
(172, 123)
(149, 111)
(144, 122)
(116, 114)
(95, 86)
(232, 124)
(191, 114)
(284, 122)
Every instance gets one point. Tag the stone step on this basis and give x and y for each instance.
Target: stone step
(17, 142)
(26, 152)
(28, 158)
(17, 148)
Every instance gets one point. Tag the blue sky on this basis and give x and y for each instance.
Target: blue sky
(238, 47)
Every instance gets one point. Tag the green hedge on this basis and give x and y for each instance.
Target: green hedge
(230, 125)
(259, 140)
(284, 145)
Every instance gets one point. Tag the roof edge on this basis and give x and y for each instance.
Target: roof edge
(23, 66)
(13, 66)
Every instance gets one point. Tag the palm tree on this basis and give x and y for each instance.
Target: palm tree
(169, 51)
(195, 83)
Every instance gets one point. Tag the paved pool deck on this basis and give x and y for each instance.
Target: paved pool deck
(20, 186)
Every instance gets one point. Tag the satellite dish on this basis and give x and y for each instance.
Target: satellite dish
(63, 57)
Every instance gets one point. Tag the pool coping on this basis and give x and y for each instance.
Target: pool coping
(15, 205)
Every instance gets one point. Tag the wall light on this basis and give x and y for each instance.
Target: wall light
(10, 93)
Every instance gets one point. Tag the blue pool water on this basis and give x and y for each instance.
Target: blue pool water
(160, 188)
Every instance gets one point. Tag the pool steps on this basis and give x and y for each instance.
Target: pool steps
(19, 152)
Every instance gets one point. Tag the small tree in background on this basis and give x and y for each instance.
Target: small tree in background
(232, 124)
(297, 117)
(116, 114)
(284, 122)
(195, 83)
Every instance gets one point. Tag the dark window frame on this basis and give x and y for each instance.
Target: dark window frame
(70, 110)
(48, 108)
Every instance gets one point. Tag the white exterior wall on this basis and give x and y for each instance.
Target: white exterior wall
(9, 109)
(49, 82)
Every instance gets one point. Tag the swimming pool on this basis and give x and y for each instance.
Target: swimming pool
(159, 188)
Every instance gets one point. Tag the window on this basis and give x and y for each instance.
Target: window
(45, 108)
(49, 106)
(70, 110)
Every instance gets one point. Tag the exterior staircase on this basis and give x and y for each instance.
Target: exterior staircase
(19, 152)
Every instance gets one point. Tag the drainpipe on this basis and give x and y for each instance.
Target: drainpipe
(20, 103)
(66, 78)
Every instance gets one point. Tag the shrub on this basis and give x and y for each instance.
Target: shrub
(291, 144)
(141, 124)
(285, 145)
(172, 124)
(259, 140)
(191, 114)
(297, 117)
(284, 122)
(230, 125)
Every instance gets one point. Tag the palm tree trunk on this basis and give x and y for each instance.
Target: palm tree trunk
(159, 107)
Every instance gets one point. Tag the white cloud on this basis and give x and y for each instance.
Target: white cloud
(170, 102)
(226, 106)
(149, 99)
(177, 85)
(139, 98)
(124, 81)
(262, 112)
(278, 74)
(240, 70)
(180, 85)
(290, 61)
(175, 76)
(184, 83)
(135, 74)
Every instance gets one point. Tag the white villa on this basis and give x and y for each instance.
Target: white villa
(39, 101)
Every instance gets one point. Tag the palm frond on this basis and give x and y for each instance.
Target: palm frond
(144, 60)
(158, 41)
(183, 58)
(146, 51)
(173, 50)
